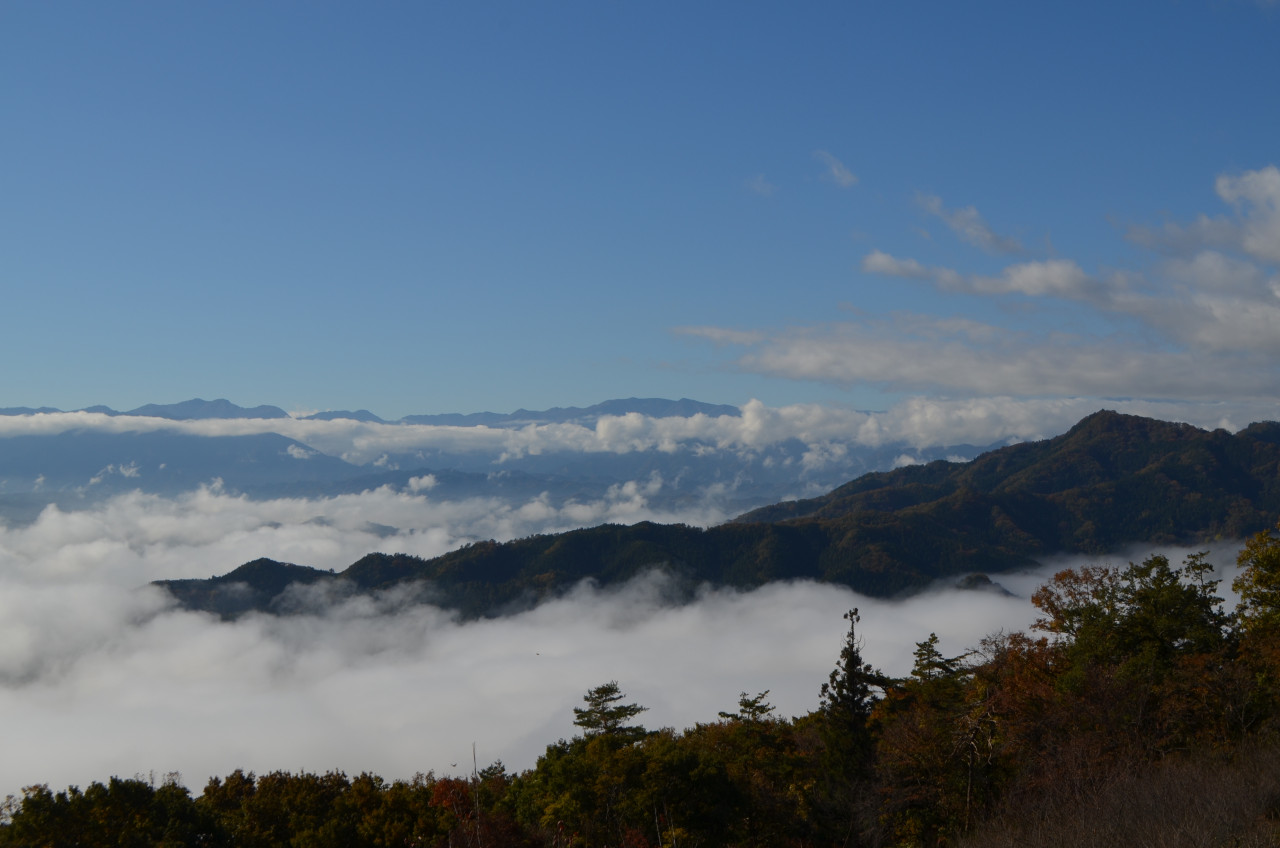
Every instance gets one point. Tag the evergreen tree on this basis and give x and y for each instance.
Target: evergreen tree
(604, 716)
(844, 714)
(846, 698)
(750, 709)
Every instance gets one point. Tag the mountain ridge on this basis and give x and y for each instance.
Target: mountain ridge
(1110, 481)
(200, 409)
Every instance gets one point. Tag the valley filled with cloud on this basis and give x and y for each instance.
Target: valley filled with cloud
(128, 683)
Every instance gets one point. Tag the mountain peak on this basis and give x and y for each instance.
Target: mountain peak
(199, 408)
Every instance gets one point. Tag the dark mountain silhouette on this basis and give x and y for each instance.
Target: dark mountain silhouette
(1111, 481)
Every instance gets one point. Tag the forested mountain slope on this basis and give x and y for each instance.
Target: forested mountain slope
(1111, 481)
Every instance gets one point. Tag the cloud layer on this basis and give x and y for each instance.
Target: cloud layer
(1198, 321)
(106, 678)
(908, 351)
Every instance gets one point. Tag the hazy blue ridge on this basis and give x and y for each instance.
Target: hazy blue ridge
(652, 407)
(198, 408)
(93, 462)
(26, 410)
(345, 414)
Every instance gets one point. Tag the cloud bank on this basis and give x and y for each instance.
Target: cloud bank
(105, 677)
(1198, 321)
(910, 351)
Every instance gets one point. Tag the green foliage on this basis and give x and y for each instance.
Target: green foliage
(1258, 584)
(603, 714)
(846, 697)
(751, 708)
(1139, 618)
(121, 814)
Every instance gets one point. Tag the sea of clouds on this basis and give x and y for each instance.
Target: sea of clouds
(101, 675)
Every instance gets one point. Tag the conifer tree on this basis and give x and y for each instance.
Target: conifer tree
(604, 716)
(846, 697)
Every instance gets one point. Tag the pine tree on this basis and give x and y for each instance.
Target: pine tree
(847, 698)
(604, 716)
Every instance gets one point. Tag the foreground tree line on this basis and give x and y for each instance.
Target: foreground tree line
(1138, 711)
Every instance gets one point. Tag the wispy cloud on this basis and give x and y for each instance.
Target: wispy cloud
(912, 353)
(1201, 325)
(761, 186)
(836, 171)
(879, 262)
(1254, 230)
(1050, 278)
(970, 226)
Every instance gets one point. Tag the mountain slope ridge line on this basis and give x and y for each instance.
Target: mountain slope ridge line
(1112, 480)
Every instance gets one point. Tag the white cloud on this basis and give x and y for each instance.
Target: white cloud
(1204, 232)
(121, 678)
(879, 262)
(1254, 231)
(836, 171)
(904, 353)
(1049, 278)
(130, 471)
(1202, 326)
(1257, 195)
(914, 353)
(1212, 271)
(1055, 277)
(970, 226)
(422, 484)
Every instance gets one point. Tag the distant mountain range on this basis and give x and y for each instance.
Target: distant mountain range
(199, 409)
(78, 467)
(1111, 481)
(189, 410)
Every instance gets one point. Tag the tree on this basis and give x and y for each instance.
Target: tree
(846, 697)
(1258, 621)
(848, 746)
(1139, 618)
(1259, 582)
(604, 716)
(751, 709)
(934, 745)
(930, 664)
(1145, 653)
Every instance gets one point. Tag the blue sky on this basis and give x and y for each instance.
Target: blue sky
(453, 207)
